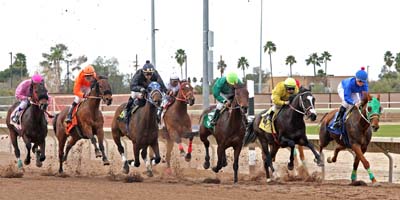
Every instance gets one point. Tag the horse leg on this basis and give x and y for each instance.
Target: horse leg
(335, 153)
(317, 156)
(355, 167)
(42, 150)
(61, 143)
(28, 145)
(14, 142)
(290, 143)
(117, 140)
(206, 143)
(220, 153)
(71, 142)
(100, 136)
(274, 150)
(36, 151)
(136, 151)
(188, 156)
(236, 154)
(170, 145)
(96, 149)
(267, 156)
(156, 150)
(360, 154)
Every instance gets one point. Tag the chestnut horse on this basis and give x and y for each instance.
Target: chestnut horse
(290, 130)
(142, 129)
(90, 122)
(358, 128)
(33, 126)
(229, 130)
(177, 121)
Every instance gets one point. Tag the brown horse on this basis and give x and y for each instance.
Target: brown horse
(228, 132)
(358, 128)
(33, 126)
(142, 129)
(177, 121)
(90, 122)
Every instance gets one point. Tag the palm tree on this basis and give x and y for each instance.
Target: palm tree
(243, 64)
(180, 57)
(290, 60)
(388, 58)
(325, 57)
(221, 66)
(270, 47)
(58, 54)
(397, 64)
(315, 60)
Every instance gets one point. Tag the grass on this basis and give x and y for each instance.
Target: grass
(384, 131)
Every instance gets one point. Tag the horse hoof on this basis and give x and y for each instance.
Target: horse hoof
(206, 165)
(182, 153)
(136, 164)
(224, 164)
(290, 166)
(329, 160)
(39, 164)
(157, 160)
(98, 154)
(106, 162)
(27, 162)
(42, 158)
(215, 169)
(125, 168)
(149, 173)
(188, 157)
(19, 164)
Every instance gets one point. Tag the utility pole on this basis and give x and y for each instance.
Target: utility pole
(206, 102)
(261, 48)
(11, 75)
(186, 67)
(67, 61)
(153, 36)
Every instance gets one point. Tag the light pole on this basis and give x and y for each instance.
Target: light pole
(206, 88)
(261, 28)
(185, 66)
(67, 74)
(11, 70)
(153, 36)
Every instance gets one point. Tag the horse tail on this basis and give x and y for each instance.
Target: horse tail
(250, 135)
(55, 123)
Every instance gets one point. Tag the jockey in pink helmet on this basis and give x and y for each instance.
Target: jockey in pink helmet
(22, 94)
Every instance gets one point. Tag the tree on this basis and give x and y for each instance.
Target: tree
(388, 58)
(270, 47)
(19, 65)
(109, 68)
(397, 64)
(52, 64)
(221, 66)
(314, 60)
(325, 57)
(290, 60)
(194, 80)
(180, 57)
(243, 64)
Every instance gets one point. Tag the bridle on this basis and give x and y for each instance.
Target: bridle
(305, 111)
(181, 92)
(151, 95)
(35, 99)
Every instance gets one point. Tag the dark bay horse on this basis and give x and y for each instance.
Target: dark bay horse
(359, 126)
(177, 121)
(90, 122)
(228, 132)
(290, 130)
(142, 129)
(33, 126)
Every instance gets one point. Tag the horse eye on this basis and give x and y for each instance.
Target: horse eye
(369, 108)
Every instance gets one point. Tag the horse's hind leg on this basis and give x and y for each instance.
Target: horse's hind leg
(267, 160)
(188, 156)
(100, 136)
(203, 137)
(335, 153)
(117, 140)
(170, 146)
(62, 139)
(360, 154)
(71, 142)
(14, 142)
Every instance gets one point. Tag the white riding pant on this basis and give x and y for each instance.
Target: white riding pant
(22, 105)
(355, 96)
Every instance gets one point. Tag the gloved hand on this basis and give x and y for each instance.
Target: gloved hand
(286, 102)
(142, 90)
(357, 104)
(140, 96)
(170, 93)
(227, 103)
(86, 94)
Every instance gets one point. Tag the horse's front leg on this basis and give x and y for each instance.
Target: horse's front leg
(360, 154)
(96, 149)
(28, 146)
(316, 154)
(220, 154)
(43, 150)
(236, 154)
(100, 136)
(136, 152)
(289, 143)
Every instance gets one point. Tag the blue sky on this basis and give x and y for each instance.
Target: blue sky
(356, 32)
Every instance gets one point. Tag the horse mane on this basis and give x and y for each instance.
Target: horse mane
(99, 77)
(365, 97)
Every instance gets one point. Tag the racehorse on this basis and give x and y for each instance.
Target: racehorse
(358, 127)
(290, 130)
(229, 130)
(33, 127)
(142, 129)
(177, 121)
(89, 121)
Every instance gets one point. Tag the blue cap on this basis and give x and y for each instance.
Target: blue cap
(362, 75)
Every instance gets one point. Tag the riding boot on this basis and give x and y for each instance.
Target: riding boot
(69, 115)
(269, 117)
(215, 118)
(127, 109)
(338, 120)
(15, 118)
(159, 112)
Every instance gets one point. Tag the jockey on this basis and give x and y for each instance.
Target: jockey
(142, 78)
(172, 89)
(280, 95)
(81, 88)
(23, 93)
(350, 90)
(223, 92)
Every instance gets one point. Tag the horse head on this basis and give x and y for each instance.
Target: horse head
(101, 88)
(154, 95)
(372, 109)
(39, 95)
(186, 92)
(304, 103)
(241, 97)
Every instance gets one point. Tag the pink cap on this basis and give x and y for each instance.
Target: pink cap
(37, 78)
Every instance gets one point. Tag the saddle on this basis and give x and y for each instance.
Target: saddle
(342, 130)
(207, 118)
(18, 124)
(74, 121)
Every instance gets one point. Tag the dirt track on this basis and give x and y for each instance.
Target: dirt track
(88, 179)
